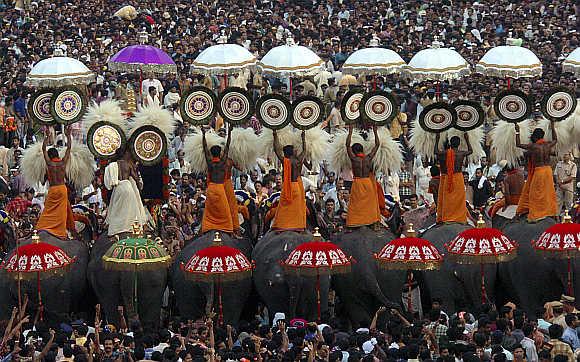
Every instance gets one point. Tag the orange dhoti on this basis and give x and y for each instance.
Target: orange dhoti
(451, 201)
(217, 214)
(363, 206)
(539, 196)
(233, 202)
(57, 215)
(291, 211)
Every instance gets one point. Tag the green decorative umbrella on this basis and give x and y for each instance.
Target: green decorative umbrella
(136, 253)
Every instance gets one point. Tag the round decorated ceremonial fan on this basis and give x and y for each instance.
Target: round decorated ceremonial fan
(235, 105)
(350, 107)
(307, 112)
(104, 139)
(437, 117)
(198, 106)
(379, 107)
(470, 115)
(558, 104)
(39, 107)
(68, 105)
(148, 145)
(512, 106)
(273, 111)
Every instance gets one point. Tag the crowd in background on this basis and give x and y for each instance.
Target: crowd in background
(88, 31)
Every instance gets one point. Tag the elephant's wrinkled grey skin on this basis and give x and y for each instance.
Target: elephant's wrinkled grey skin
(530, 279)
(366, 287)
(282, 291)
(456, 285)
(192, 297)
(61, 293)
(114, 288)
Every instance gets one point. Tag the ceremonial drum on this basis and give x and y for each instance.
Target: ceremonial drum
(39, 107)
(512, 106)
(198, 106)
(235, 105)
(437, 117)
(350, 106)
(273, 111)
(307, 112)
(558, 104)
(106, 140)
(470, 115)
(68, 105)
(378, 108)
(148, 145)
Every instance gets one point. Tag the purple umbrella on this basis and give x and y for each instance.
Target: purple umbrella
(142, 58)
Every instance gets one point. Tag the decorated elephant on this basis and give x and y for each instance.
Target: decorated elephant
(283, 291)
(531, 279)
(114, 287)
(456, 285)
(366, 287)
(62, 293)
(195, 299)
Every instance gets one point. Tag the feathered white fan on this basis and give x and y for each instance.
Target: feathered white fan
(153, 115)
(475, 137)
(108, 110)
(193, 149)
(423, 142)
(79, 170)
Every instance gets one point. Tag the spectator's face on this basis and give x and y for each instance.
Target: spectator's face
(180, 155)
(413, 202)
(519, 354)
(478, 174)
(278, 181)
(330, 207)
(108, 346)
(566, 157)
(185, 180)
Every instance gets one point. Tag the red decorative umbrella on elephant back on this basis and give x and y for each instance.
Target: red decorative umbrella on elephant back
(409, 253)
(37, 260)
(218, 263)
(317, 257)
(561, 241)
(481, 245)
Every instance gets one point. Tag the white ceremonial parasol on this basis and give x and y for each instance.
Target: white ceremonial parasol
(509, 61)
(373, 60)
(572, 63)
(290, 60)
(223, 58)
(437, 64)
(59, 72)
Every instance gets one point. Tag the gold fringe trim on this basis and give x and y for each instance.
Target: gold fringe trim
(569, 254)
(214, 277)
(506, 71)
(146, 68)
(313, 271)
(57, 272)
(409, 265)
(481, 259)
(136, 265)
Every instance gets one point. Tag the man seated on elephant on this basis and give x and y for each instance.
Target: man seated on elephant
(291, 211)
(538, 198)
(217, 214)
(363, 208)
(57, 216)
(451, 194)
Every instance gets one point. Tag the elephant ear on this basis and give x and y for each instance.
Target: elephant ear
(389, 156)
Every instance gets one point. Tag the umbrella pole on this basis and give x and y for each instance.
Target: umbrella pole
(18, 282)
(508, 83)
(135, 298)
(569, 276)
(225, 80)
(141, 84)
(374, 82)
(318, 294)
(39, 295)
(220, 304)
(290, 88)
(483, 292)
(410, 298)
(438, 91)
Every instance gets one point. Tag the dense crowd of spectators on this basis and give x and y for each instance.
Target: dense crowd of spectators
(88, 31)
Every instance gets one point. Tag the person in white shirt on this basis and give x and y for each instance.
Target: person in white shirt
(152, 98)
(171, 98)
(92, 195)
(152, 82)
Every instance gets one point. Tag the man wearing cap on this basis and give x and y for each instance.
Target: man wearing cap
(565, 173)
(563, 307)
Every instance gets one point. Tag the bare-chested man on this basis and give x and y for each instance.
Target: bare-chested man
(451, 196)
(217, 214)
(125, 206)
(57, 215)
(363, 208)
(291, 211)
(538, 197)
